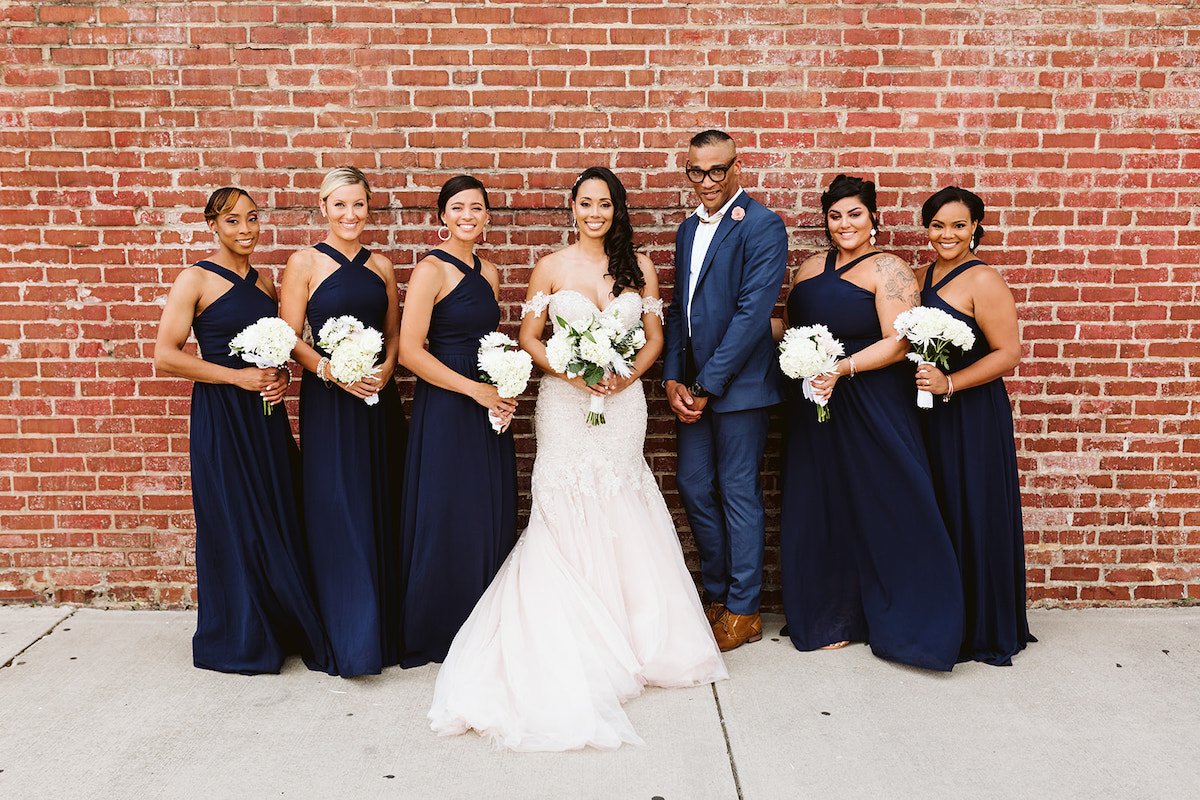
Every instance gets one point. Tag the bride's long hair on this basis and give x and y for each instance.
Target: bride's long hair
(618, 244)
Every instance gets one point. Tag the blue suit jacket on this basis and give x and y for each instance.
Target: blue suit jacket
(739, 284)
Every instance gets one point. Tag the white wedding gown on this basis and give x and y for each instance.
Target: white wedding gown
(595, 600)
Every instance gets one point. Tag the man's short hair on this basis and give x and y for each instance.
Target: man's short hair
(710, 137)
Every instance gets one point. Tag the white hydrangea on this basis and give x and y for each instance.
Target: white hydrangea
(598, 350)
(807, 352)
(265, 343)
(592, 347)
(931, 331)
(504, 364)
(353, 350)
(335, 330)
(559, 350)
(355, 356)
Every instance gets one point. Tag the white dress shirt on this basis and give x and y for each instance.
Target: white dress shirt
(704, 236)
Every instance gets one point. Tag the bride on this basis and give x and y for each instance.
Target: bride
(595, 601)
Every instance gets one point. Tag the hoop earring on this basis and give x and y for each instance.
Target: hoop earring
(439, 233)
(872, 237)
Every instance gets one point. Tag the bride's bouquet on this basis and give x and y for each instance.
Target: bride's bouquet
(807, 352)
(266, 343)
(931, 332)
(353, 350)
(592, 348)
(505, 365)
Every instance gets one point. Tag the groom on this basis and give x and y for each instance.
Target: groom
(721, 375)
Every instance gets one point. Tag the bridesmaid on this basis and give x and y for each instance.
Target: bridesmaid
(255, 603)
(970, 436)
(350, 450)
(865, 554)
(460, 487)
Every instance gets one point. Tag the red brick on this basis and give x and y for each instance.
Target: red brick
(1076, 124)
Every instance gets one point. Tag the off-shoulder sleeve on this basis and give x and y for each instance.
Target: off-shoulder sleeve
(653, 305)
(535, 305)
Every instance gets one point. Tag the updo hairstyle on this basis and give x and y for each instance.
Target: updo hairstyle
(955, 194)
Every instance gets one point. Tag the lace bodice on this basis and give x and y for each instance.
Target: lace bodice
(574, 459)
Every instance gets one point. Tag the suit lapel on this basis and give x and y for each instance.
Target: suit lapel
(683, 260)
(723, 229)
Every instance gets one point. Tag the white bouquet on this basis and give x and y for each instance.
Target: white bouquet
(505, 365)
(266, 343)
(353, 350)
(931, 332)
(807, 352)
(592, 348)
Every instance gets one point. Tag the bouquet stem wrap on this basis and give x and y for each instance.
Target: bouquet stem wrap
(822, 402)
(924, 398)
(596, 411)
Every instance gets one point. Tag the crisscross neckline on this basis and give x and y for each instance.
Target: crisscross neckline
(949, 276)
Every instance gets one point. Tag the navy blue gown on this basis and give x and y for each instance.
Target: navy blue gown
(460, 480)
(352, 476)
(973, 457)
(865, 554)
(255, 601)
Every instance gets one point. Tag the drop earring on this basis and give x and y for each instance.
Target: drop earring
(439, 233)
(873, 237)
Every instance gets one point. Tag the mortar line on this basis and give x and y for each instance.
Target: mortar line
(43, 635)
(737, 784)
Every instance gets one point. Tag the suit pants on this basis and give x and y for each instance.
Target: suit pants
(720, 459)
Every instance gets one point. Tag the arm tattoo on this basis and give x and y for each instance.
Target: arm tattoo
(898, 280)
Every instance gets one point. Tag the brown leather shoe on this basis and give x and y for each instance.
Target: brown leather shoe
(734, 630)
(713, 612)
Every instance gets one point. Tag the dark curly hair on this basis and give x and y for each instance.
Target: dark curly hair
(618, 244)
(955, 194)
(844, 186)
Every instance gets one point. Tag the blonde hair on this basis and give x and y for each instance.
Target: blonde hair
(223, 200)
(344, 176)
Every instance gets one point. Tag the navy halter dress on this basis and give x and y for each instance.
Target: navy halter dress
(865, 554)
(460, 480)
(255, 601)
(973, 457)
(352, 455)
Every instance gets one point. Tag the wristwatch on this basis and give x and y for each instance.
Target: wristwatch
(697, 390)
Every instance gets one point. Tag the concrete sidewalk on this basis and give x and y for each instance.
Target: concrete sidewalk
(106, 704)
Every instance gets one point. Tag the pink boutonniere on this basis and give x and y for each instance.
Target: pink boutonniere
(738, 214)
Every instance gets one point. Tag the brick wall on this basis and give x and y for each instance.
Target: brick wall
(1078, 122)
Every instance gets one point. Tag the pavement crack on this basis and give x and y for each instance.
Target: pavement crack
(43, 635)
(737, 784)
